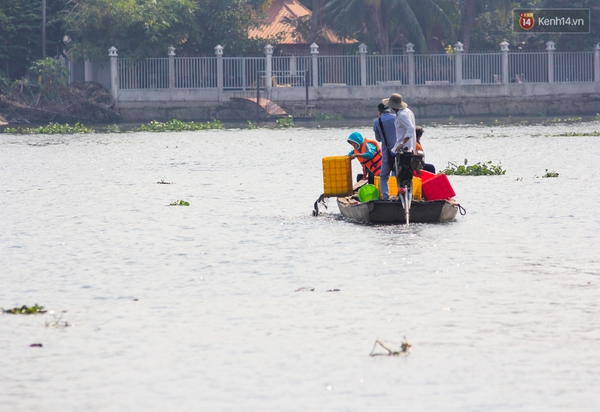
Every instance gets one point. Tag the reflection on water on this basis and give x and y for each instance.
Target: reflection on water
(196, 307)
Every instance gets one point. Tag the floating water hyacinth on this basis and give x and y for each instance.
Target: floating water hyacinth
(175, 125)
(179, 203)
(479, 169)
(52, 128)
(25, 310)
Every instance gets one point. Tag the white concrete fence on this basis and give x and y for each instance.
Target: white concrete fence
(342, 76)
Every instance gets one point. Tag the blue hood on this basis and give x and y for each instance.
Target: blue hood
(356, 137)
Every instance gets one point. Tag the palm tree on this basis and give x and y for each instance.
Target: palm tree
(388, 22)
(315, 19)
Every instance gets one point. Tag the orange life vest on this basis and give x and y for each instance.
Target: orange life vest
(374, 164)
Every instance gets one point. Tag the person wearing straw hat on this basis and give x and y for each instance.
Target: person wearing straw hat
(405, 124)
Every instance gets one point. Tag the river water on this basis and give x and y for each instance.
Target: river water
(196, 308)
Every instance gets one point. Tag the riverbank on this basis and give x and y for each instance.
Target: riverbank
(472, 103)
(341, 123)
(337, 123)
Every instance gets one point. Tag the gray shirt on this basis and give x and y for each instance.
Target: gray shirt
(389, 140)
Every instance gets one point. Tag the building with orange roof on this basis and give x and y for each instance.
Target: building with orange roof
(285, 20)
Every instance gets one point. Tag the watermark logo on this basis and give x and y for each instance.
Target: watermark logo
(526, 20)
(551, 20)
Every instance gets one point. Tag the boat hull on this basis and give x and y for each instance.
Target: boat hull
(392, 212)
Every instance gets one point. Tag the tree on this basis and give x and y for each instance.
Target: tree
(389, 22)
(146, 28)
(21, 33)
(577, 42)
(225, 23)
(472, 9)
(137, 28)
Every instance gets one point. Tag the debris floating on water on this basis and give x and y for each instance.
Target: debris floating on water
(404, 349)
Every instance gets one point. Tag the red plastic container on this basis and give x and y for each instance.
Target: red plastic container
(425, 175)
(437, 187)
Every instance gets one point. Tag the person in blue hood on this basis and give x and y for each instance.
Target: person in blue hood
(368, 153)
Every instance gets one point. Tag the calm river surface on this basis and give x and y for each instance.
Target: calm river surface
(196, 308)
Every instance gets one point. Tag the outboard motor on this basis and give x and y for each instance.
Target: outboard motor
(406, 164)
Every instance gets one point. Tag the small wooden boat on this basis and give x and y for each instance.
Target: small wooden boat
(436, 204)
(392, 211)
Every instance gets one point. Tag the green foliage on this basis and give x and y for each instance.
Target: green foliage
(423, 22)
(285, 122)
(323, 116)
(175, 125)
(597, 116)
(566, 120)
(179, 203)
(550, 174)
(576, 41)
(479, 169)
(497, 29)
(21, 34)
(25, 310)
(141, 28)
(224, 22)
(50, 73)
(146, 28)
(115, 128)
(52, 128)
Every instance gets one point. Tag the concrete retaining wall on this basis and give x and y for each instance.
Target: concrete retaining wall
(515, 99)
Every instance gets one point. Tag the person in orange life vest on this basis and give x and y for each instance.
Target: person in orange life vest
(427, 166)
(368, 153)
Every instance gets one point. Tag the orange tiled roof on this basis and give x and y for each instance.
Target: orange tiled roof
(277, 11)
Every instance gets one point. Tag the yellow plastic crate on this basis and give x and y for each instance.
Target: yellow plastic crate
(337, 176)
(393, 187)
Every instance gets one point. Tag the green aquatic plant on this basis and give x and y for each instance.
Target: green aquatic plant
(479, 169)
(568, 134)
(566, 120)
(114, 128)
(550, 174)
(179, 203)
(597, 116)
(324, 116)
(175, 125)
(285, 122)
(51, 128)
(25, 310)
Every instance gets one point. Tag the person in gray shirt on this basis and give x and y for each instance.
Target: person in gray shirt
(385, 133)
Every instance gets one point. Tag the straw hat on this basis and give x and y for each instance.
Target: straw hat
(395, 102)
